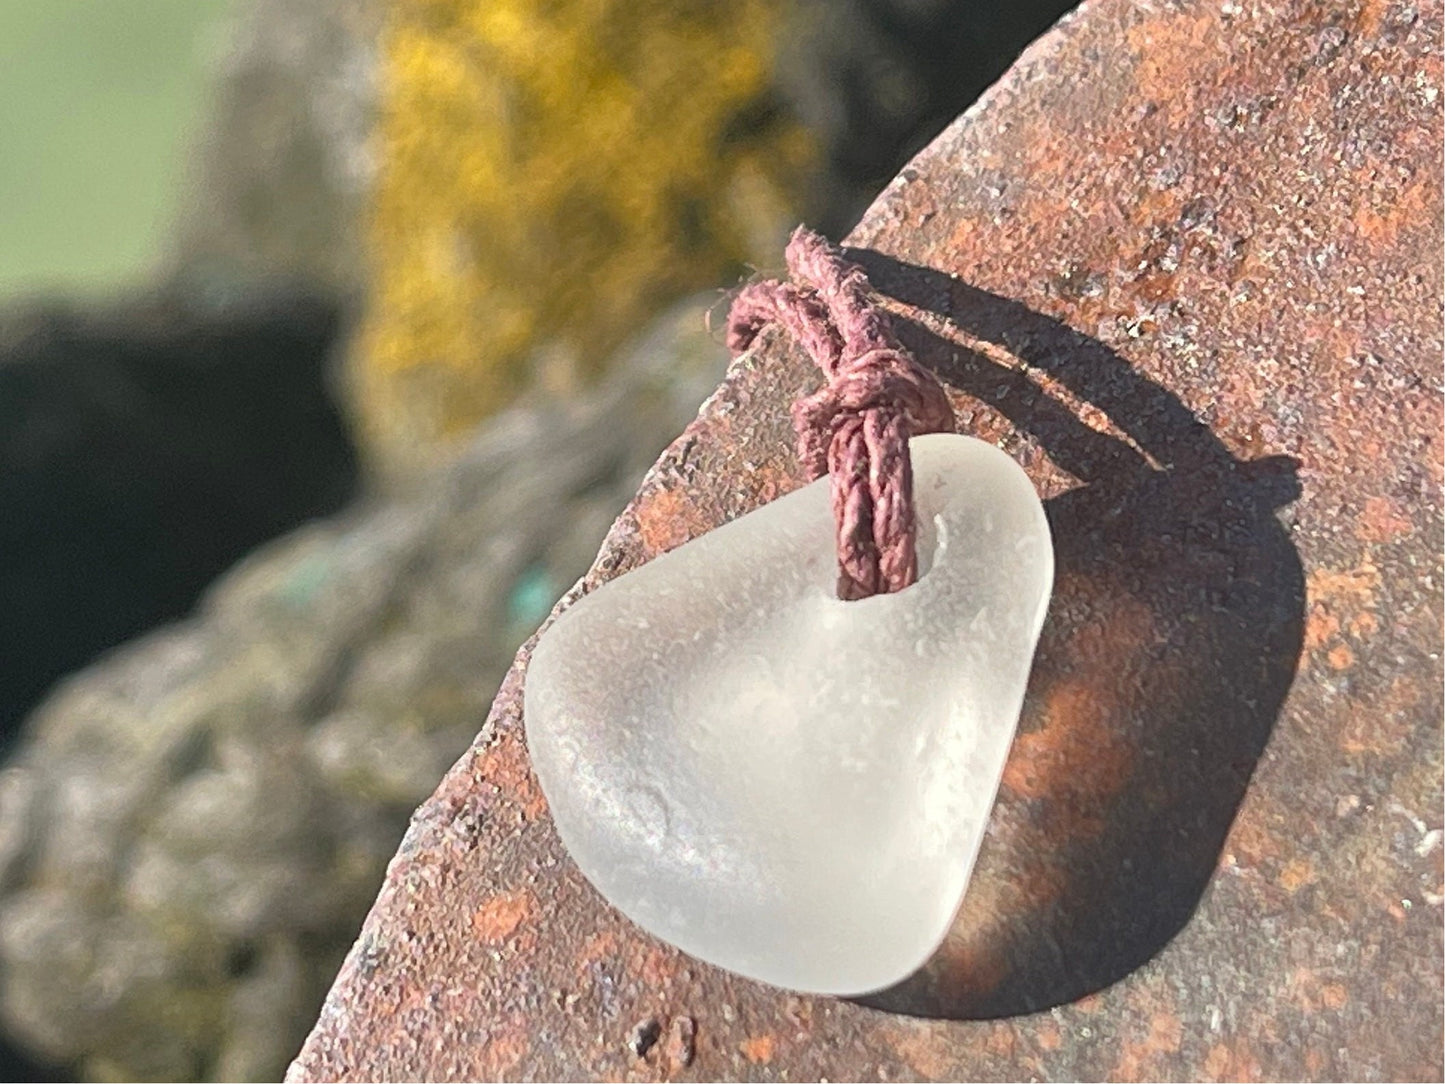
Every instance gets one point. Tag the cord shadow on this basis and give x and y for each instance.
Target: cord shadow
(1173, 635)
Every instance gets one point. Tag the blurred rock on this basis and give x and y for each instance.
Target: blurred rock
(144, 447)
(1172, 263)
(535, 190)
(193, 828)
(872, 81)
(280, 175)
(552, 173)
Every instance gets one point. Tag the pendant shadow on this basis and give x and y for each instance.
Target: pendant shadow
(1174, 633)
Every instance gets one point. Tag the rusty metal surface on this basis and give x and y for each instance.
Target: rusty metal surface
(1184, 263)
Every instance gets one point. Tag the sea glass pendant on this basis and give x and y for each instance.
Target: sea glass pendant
(787, 785)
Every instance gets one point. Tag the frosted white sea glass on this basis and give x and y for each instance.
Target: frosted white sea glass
(788, 785)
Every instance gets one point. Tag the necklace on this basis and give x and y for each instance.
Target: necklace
(781, 762)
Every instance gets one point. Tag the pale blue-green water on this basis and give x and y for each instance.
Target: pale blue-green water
(99, 101)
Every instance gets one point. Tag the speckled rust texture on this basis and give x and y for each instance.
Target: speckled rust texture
(1183, 263)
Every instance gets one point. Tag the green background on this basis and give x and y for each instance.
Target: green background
(98, 102)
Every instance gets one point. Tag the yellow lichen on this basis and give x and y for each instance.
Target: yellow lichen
(551, 173)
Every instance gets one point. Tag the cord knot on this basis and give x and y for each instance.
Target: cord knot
(886, 380)
(857, 427)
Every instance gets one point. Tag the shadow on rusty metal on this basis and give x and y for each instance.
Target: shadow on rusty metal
(1174, 634)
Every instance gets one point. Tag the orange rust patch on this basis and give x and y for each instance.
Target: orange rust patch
(1297, 873)
(919, 1047)
(759, 1049)
(1002, 1040)
(657, 966)
(505, 766)
(1382, 724)
(596, 947)
(1364, 624)
(1226, 1063)
(1075, 759)
(1372, 15)
(1171, 53)
(1250, 841)
(1320, 627)
(1311, 995)
(769, 481)
(1339, 599)
(1049, 1035)
(1358, 586)
(1411, 209)
(505, 1051)
(1383, 521)
(666, 519)
(1166, 1031)
(497, 919)
(1340, 657)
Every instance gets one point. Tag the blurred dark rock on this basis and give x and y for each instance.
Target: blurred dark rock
(873, 81)
(1173, 264)
(193, 828)
(143, 449)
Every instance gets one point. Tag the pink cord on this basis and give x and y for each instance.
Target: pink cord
(857, 427)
